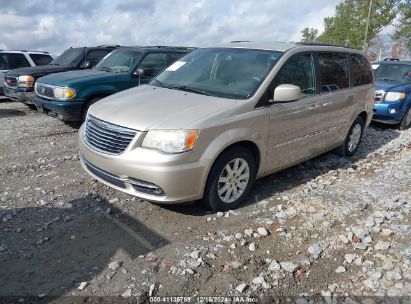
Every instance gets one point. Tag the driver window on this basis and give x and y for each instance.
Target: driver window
(153, 64)
(298, 70)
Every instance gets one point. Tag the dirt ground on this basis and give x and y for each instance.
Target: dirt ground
(328, 230)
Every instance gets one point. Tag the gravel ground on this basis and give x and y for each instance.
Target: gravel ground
(330, 229)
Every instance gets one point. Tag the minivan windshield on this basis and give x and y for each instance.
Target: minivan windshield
(121, 60)
(233, 73)
(394, 72)
(70, 57)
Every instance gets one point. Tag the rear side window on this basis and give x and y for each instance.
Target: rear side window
(40, 59)
(4, 61)
(153, 64)
(9, 61)
(298, 70)
(361, 70)
(334, 73)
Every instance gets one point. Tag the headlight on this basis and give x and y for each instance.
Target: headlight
(171, 141)
(25, 81)
(393, 96)
(64, 93)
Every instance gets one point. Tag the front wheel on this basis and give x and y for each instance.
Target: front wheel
(406, 120)
(353, 139)
(230, 180)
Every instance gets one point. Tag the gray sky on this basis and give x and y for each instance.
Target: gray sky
(54, 25)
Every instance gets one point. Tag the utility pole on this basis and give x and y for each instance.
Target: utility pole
(365, 46)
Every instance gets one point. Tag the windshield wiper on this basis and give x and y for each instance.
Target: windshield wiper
(54, 64)
(188, 89)
(106, 69)
(387, 79)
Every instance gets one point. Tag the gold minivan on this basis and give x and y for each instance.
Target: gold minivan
(219, 118)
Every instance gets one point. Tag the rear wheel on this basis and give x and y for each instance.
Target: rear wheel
(353, 139)
(230, 180)
(406, 120)
(87, 106)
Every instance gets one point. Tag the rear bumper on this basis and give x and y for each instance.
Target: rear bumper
(64, 110)
(19, 94)
(390, 113)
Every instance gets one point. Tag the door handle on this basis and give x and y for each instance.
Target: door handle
(313, 107)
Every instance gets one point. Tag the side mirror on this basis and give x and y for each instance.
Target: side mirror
(286, 93)
(139, 72)
(85, 65)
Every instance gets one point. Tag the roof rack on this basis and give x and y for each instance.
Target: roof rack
(25, 51)
(108, 45)
(239, 41)
(320, 44)
(170, 46)
(391, 59)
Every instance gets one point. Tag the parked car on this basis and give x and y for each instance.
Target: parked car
(10, 60)
(68, 95)
(220, 117)
(19, 83)
(393, 92)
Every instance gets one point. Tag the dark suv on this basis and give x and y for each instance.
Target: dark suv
(68, 95)
(19, 83)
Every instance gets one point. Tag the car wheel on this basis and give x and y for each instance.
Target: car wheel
(87, 106)
(406, 120)
(353, 139)
(230, 180)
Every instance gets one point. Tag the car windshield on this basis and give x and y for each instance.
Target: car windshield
(121, 60)
(70, 57)
(394, 72)
(223, 72)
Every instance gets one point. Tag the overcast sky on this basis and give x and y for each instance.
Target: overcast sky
(54, 25)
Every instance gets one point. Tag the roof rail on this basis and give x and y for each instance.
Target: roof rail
(108, 45)
(320, 44)
(391, 59)
(25, 51)
(239, 41)
(170, 46)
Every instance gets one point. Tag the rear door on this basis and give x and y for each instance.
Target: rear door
(295, 127)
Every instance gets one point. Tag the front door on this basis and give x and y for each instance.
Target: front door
(152, 64)
(295, 127)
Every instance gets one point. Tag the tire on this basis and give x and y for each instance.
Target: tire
(353, 138)
(406, 120)
(87, 106)
(238, 189)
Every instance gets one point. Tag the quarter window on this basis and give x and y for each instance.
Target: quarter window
(299, 71)
(95, 56)
(9, 61)
(40, 59)
(334, 73)
(361, 70)
(153, 64)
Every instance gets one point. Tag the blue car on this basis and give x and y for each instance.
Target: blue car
(392, 92)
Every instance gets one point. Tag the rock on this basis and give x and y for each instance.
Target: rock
(387, 232)
(115, 265)
(113, 200)
(288, 266)
(359, 231)
(258, 280)
(370, 284)
(340, 269)
(220, 214)
(370, 223)
(333, 287)
(127, 293)
(252, 247)
(233, 246)
(350, 257)
(191, 263)
(262, 231)
(394, 275)
(274, 266)
(238, 236)
(360, 246)
(375, 275)
(248, 232)
(315, 250)
(152, 289)
(82, 286)
(367, 239)
(381, 245)
(189, 271)
(195, 254)
(242, 287)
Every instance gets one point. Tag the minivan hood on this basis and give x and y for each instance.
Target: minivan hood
(38, 71)
(392, 86)
(148, 107)
(75, 76)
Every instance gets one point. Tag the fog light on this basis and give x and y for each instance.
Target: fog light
(392, 111)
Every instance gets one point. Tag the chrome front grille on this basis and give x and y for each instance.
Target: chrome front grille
(106, 137)
(379, 96)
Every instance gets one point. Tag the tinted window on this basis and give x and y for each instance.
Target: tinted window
(120, 60)
(18, 61)
(70, 57)
(4, 61)
(95, 56)
(299, 71)
(361, 70)
(153, 64)
(334, 74)
(40, 59)
(393, 71)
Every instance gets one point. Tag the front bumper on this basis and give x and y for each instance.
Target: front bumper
(390, 113)
(19, 94)
(65, 110)
(180, 178)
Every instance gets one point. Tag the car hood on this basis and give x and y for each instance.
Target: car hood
(148, 107)
(39, 71)
(390, 86)
(76, 76)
